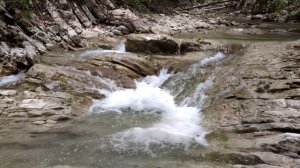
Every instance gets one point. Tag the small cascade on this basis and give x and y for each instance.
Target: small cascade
(119, 49)
(179, 122)
(213, 59)
(178, 125)
(185, 85)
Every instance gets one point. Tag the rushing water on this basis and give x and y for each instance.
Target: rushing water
(156, 124)
(179, 125)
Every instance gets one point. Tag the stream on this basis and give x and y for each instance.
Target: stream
(151, 125)
(156, 124)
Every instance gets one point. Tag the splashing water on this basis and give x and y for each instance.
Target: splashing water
(119, 49)
(6, 80)
(178, 126)
(213, 59)
(198, 97)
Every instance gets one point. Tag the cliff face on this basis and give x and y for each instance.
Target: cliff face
(28, 30)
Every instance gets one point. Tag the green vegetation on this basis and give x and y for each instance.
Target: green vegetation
(163, 6)
(23, 7)
(20, 4)
(269, 6)
(146, 6)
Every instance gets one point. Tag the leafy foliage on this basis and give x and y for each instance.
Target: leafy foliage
(23, 7)
(146, 6)
(20, 4)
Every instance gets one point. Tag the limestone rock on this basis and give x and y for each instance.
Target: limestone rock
(30, 53)
(160, 43)
(150, 43)
(4, 49)
(8, 92)
(58, 78)
(287, 144)
(123, 17)
(228, 157)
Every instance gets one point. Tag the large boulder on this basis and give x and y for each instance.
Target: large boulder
(123, 17)
(164, 44)
(152, 43)
(126, 18)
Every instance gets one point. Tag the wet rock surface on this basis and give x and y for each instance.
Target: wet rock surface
(254, 102)
(64, 84)
(164, 44)
(259, 100)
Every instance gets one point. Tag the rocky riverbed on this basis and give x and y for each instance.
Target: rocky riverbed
(237, 82)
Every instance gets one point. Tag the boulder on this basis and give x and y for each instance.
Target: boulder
(152, 43)
(164, 44)
(30, 53)
(18, 56)
(123, 29)
(123, 17)
(59, 78)
(4, 49)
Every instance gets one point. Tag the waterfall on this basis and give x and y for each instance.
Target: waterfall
(179, 124)
(120, 48)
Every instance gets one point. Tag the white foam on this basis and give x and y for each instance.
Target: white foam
(179, 125)
(196, 68)
(119, 49)
(198, 97)
(157, 81)
(6, 80)
(213, 59)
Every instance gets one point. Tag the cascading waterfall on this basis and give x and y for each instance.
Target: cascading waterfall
(179, 125)
(120, 48)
